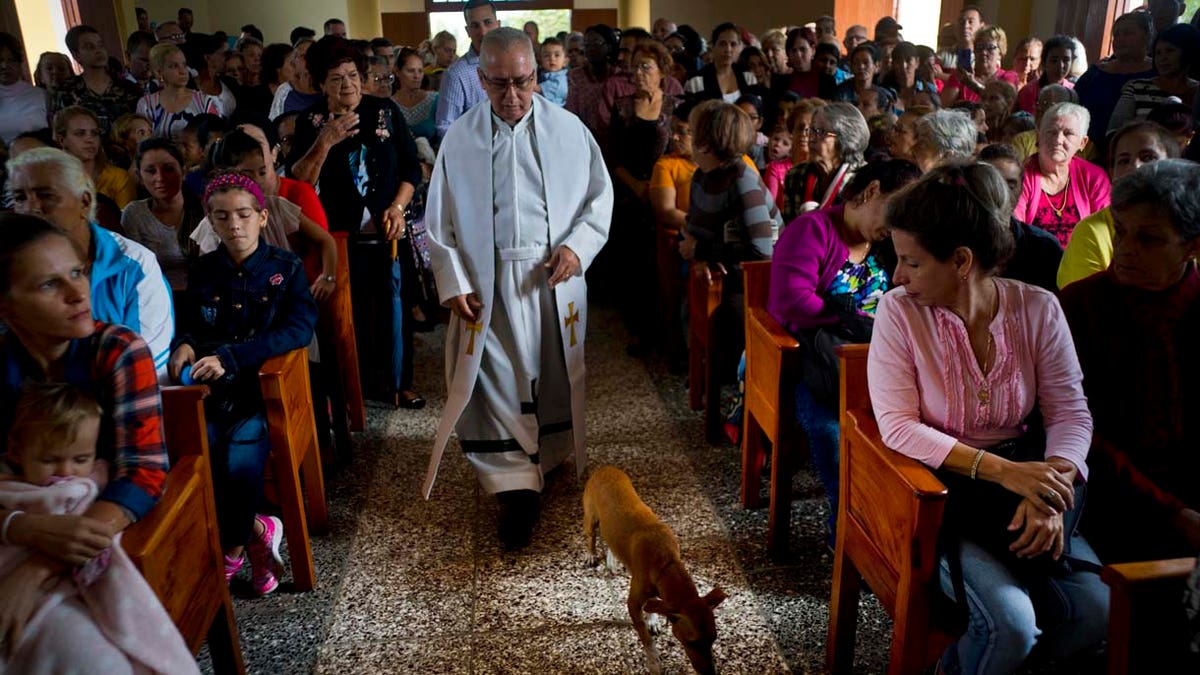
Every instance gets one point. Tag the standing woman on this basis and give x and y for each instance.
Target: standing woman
(1059, 188)
(1176, 50)
(164, 221)
(805, 80)
(864, 62)
(1100, 87)
(960, 360)
(418, 105)
(639, 134)
(967, 85)
(774, 49)
(585, 86)
(206, 55)
(22, 105)
(1056, 67)
(445, 53)
(77, 130)
(171, 108)
(361, 152)
(719, 79)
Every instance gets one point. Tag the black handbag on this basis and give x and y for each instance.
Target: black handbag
(818, 356)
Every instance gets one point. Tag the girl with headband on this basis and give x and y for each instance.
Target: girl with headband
(246, 302)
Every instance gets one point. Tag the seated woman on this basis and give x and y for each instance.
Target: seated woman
(77, 130)
(1091, 247)
(731, 217)
(246, 302)
(1133, 325)
(864, 63)
(127, 285)
(827, 275)
(416, 103)
(1059, 188)
(52, 337)
(164, 221)
(836, 140)
(959, 362)
(102, 616)
(997, 100)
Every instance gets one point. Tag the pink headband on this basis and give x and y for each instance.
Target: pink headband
(229, 180)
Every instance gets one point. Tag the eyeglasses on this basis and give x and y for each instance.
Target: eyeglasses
(500, 86)
(380, 79)
(817, 132)
(173, 36)
(647, 66)
(989, 47)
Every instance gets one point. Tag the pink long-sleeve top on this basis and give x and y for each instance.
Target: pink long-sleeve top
(925, 381)
(1089, 189)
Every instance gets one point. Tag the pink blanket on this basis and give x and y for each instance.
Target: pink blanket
(106, 620)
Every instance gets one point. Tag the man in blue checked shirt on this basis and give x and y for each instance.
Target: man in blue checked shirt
(461, 88)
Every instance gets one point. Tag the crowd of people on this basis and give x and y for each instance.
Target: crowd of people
(1015, 238)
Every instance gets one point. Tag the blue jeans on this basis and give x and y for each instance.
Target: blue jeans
(239, 452)
(821, 426)
(1005, 623)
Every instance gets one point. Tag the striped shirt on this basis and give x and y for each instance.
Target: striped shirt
(169, 124)
(115, 366)
(1138, 98)
(732, 215)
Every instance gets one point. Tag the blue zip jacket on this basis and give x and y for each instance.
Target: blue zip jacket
(128, 288)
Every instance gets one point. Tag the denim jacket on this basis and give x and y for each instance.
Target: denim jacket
(245, 315)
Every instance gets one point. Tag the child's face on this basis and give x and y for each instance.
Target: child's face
(554, 58)
(193, 154)
(754, 116)
(780, 147)
(868, 103)
(254, 167)
(238, 220)
(70, 460)
(138, 131)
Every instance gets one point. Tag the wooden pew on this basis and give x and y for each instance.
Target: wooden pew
(1138, 592)
(889, 515)
(704, 389)
(772, 366)
(295, 454)
(176, 547)
(668, 264)
(339, 349)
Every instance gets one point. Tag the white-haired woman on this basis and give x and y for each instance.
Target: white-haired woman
(836, 141)
(127, 285)
(1059, 189)
(943, 135)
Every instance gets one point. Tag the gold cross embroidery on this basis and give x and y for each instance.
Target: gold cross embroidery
(571, 320)
(473, 329)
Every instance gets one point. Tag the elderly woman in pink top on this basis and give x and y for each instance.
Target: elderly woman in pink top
(1059, 189)
(960, 361)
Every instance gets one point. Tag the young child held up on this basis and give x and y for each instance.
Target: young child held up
(779, 160)
(246, 302)
(100, 616)
(553, 76)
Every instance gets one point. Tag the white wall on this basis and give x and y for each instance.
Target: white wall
(275, 19)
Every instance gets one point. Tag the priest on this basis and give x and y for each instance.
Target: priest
(519, 204)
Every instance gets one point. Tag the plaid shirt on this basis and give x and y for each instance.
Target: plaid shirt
(115, 366)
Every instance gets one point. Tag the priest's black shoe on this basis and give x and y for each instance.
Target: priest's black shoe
(519, 512)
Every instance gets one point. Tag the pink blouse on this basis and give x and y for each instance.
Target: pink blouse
(968, 94)
(925, 382)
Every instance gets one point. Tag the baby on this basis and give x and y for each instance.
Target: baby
(779, 161)
(553, 77)
(102, 616)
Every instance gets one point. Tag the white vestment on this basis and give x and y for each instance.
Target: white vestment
(516, 378)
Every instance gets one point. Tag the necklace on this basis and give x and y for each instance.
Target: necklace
(989, 360)
(1058, 211)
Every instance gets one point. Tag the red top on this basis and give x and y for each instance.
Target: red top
(303, 195)
(966, 94)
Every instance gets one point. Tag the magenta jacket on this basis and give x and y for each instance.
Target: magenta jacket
(807, 256)
(1090, 189)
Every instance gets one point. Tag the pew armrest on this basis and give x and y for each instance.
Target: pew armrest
(1129, 576)
(186, 433)
(914, 477)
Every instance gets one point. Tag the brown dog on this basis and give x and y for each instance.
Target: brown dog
(659, 584)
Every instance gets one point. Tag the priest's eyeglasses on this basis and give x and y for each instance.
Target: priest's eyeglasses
(500, 86)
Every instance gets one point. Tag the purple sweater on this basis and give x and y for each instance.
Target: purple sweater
(807, 256)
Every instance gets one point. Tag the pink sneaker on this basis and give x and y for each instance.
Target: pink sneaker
(232, 565)
(266, 565)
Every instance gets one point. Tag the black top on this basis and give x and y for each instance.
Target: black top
(1036, 256)
(383, 148)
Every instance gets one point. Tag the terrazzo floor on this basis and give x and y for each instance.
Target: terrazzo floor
(413, 586)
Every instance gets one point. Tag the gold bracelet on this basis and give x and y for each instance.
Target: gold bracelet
(975, 464)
